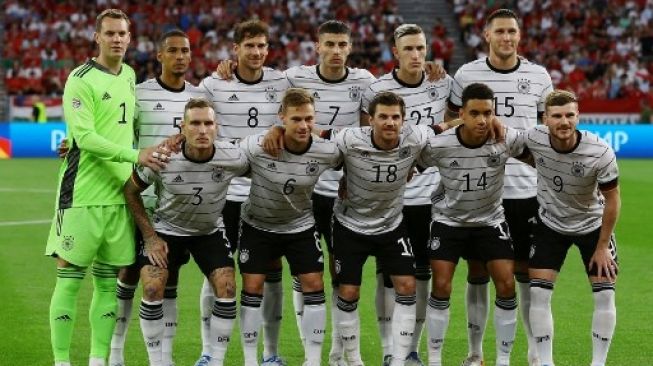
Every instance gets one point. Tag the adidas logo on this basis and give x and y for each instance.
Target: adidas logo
(110, 314)
(64, 317)
(233, 98)
(272, 166)
(159, 107)
(106, 96)
(454, 164)
(316, 95)
(178, 179)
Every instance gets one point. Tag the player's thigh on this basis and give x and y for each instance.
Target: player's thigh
(303, 251)
(76, 235)
(549, 248)
(394, 251)
(587, 246)
(418, 220)
(350, 251)
(256, 250)
(521, 215)
(323, 213)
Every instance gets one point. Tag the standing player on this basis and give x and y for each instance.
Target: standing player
(519, 87)
(244, 107)
(468, 216)
(425, 104)
(159, 111)
(277, 220)
(92, 224)
(190, 195)
(578, 193)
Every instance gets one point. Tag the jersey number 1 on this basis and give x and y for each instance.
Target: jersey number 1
(124, 110)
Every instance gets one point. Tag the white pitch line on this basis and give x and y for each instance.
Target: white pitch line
(27, 222)
(27, 190)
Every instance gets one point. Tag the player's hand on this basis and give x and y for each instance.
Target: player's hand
(154, 157)
(497, 129)
(606, 266)
(273, 141)
(454, 122)
(225, 69)
(434, 71)
(342, 188)
(173, 143)
(157, 251)
(62, 149)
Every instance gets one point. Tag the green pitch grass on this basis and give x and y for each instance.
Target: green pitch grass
(27, 278)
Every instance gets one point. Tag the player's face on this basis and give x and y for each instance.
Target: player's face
(562, 121)
(334, 49)
(251, 52)
(410, 51)
(476, 115)
(199, 128)
(386, 122)
(113, 38)
(174, 55)
(298, 122)
(503, 37)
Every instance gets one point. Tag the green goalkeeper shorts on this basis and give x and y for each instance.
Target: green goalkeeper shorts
(81, 235)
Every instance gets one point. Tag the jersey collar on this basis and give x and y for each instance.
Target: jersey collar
(460, 139)
(308, 146)
(404, 84)
(168, 88)
(249, 82)
(487, 61)
(578, 138)
(183, 151)
(329, 81)
(95, 64)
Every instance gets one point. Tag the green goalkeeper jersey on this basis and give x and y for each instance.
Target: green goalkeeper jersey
(99, 111)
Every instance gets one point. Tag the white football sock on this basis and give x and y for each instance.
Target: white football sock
(125, 295)
(422, 290)
(314, 326)
(403, 327)
(542, 319)
(604, 320)
(298, 305)
(349, 327)
(437, 315)
(477, 300)
(222, 324)
(505, 325)
(206, 307)
(169, 322)
(250, 325)
(272, 313)
(151, 316)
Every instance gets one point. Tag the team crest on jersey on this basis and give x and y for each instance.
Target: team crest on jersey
(577, 169)
(68, 242)
(218, 174)
(523, 86)
(271, 94)
(435, 243)
(76, 103)
(404, 152)
(493, 159)
(433, 92)
(355, 93)
(312, 168)
(244, 255)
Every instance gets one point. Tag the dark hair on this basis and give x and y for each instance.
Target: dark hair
(169, 34)
(477, 91)
(501, 13)
(406, 30)
(109, 13)
(334, 27)
(249, 29)
(196, 103)
(295, 97)
(387, 99)
(558, 98)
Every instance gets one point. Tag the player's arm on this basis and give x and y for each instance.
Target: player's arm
(155, 247)
(602, 257)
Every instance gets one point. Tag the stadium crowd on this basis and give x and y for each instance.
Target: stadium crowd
(47, 39)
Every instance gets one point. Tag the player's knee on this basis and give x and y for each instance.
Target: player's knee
(253, 286)
(349, 293)
(129, 275)
(153, 291)
(311, 282)
(441, 286)
(223, 282)
(476, 270)
(505, 287)
(404, 285)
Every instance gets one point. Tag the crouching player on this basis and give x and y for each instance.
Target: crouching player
(579, 201)
(190, 196)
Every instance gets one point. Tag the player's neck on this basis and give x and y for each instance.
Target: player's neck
(198, 155)
(332, 73)
(248, 74)
(172, 81)
(566, 145)
(112, 64)
(408, 77)
(294, 146)
(503, 64)
(383, 144)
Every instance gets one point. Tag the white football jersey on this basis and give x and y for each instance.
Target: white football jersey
(376, 179)
(472, 177)
(426, 102)
(191, 194)
(337, 105)
(245, 108)
(280, 197)
(519, 95)
(568, 182)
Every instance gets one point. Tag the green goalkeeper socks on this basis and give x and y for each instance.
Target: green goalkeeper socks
(63, 310)
(102, 314)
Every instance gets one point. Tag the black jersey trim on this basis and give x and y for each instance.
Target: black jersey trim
(249, 82)
(460, 139)
(380, 148)
(103, 68)
(407, 85)
(578, 138)
(500, 71)
(329, 81)
(608, 186)
(83, 70)
(169, 88)
(67, 187)
(183, 150)
(308, 146)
